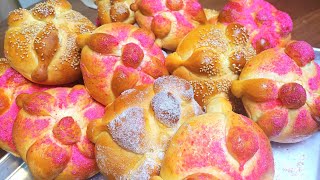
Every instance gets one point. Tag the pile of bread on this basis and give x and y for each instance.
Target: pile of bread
(232, 82)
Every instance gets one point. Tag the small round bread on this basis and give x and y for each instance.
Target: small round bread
(280, 89)
(169, 20)
(41, 43)
(50, 133)
(117, 57)
(267, 26)
(11, 85)
(218, 145)
(210, 57)
(115, 11)
(130, 140)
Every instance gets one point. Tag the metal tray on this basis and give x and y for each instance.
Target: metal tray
(292, 161)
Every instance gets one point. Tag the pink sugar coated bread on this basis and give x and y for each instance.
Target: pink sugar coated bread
(280, 89)
(117, 57)
(169, 20)
(218, 145)
(50, 133)
(11, 85)
(268, 27)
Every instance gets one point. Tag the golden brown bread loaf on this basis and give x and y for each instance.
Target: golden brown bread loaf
(210, 57)
(117, 57)
(115, 11)
(11, 85)
(169, 20)
(218, 145)
(41, 43)
(130, 140)
(50, 133)
(280, 89)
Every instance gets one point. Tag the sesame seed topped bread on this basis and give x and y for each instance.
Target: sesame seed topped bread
(210, 57)
(280, 89)
(131, 139)
(115, 11)
(41, 43)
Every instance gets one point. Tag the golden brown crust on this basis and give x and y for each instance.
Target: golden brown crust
(211, 57)
(131, 138)
(110, 11)
(40, 43)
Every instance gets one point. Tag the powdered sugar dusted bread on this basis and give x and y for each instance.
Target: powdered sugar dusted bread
(50, 133)
(41, 43)
(130, 140)
(267, 26)
(169, 20)
(11, 85)
(280, 89)
(210, 57)
(218, 145)
(115, 11)
(117, 57)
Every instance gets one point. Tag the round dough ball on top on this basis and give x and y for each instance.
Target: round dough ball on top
(50, 133)
(118, 56)
(280, 89)
(131, 139)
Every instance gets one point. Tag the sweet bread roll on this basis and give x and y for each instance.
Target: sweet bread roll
(218, 145)
(11, 85)
(117, 57)
(280, 89)
(169, 20)
(130, 140)
(50, 133)
(267, 26)
(210, 57)
(41, 43)
(115, 11)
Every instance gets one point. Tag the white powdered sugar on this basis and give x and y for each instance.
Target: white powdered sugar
(178, 87)
(149, 166)
(166, 108)
(128, 130)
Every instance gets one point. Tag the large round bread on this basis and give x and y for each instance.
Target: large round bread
(218, 145)
(130, 140)
(117, 57)
(268, 27)
(280, 89)
(210, 57)
(41, 43)
(11, 85)
(50, 133)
